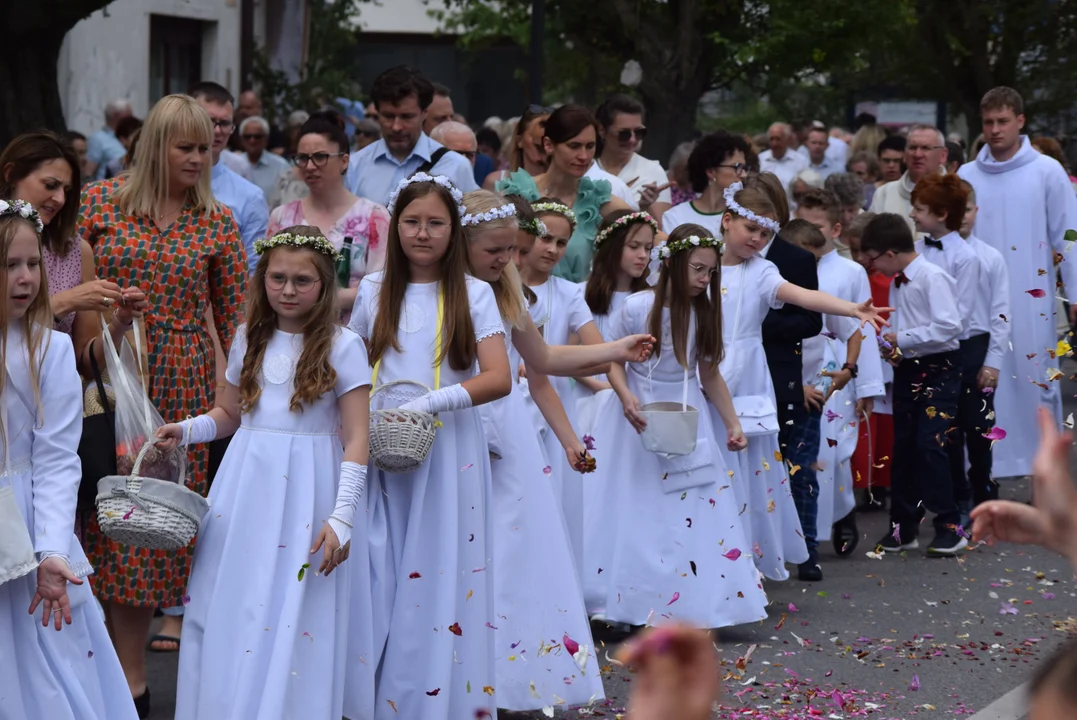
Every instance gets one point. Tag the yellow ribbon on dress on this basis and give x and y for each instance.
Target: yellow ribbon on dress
(437, 346)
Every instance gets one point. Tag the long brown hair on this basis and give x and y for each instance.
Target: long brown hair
(673, 283)
(521, 134)
(314, 374)
(607, 265)
(459, 332)
(36, 323)
(24, 155)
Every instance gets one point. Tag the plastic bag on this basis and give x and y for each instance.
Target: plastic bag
(137, 420)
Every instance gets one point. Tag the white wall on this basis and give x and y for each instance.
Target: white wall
(399, 16)
(107, 55)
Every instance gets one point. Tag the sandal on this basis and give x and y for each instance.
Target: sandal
(164, 639)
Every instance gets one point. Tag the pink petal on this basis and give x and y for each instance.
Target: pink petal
(571, 645)
(547, 470)
(675, 598)
(1036, 292)
(733, 554)
(915, 684)
(995, 433)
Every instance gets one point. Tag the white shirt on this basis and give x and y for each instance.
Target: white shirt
(826, 168)
(962, 264)
(837, 151)
(640, 171)
(687, 213)
(617, 185)
(786, 168)
(994, 298)
(925, 319)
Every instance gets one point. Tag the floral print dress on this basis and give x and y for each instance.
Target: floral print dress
(199, 259)
(366, 223)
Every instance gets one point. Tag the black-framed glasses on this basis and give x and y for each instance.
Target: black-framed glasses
(301, 283)
(319, 159)
(740, 169)
(226, 126)
(626, 135)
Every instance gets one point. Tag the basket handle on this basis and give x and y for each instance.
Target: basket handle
(134, 480)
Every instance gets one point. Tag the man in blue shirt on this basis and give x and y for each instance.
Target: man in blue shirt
(401, 96)
(103, 147)
(242, 197)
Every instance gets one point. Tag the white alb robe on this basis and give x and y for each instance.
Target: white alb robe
(1026, 205)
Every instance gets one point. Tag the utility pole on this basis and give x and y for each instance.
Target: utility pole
(538, 33)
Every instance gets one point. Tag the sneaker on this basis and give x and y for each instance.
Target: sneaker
(891, 544)
(947, 543)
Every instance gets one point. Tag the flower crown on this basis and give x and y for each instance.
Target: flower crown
(559, 208)
(621, 222)
(318, 244)
(691, 242)
(498, 213)
(24, 210)
(534, 226)
(734, 207)
(424, 177)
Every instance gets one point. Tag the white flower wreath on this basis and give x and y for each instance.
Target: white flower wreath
(734, 207)
(24, 210)
(631, 218)
(318, 244)
(691, 242)
(558, 208)
(498, 213)
(423, 177)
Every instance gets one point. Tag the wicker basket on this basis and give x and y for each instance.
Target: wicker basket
(400, 440)
(147, 512)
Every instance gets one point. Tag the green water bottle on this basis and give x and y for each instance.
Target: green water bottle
(344, 264)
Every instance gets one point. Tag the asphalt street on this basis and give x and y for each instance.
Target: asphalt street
(892, 638)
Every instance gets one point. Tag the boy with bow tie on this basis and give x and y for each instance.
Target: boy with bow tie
(924, 350)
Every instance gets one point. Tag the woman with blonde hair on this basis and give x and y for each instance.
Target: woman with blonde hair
(160, 228)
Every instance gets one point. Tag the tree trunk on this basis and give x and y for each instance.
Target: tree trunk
(30, 98)
(671, 120)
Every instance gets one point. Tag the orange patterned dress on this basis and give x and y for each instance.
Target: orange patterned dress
(199, 259)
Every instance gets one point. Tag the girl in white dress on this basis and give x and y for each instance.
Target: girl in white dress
(560, 312)
(678, 548)
(59, 665)
(751, 286)
(538, 600)
(266, 629)
(622, 252)
(431, 540)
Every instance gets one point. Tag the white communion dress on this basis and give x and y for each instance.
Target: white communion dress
(537, 598)
(72, 674)
(679, 552)
(431, 531)
(264, 634)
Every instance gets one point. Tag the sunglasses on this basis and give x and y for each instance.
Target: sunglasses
(626, 135)
(254, 137)
(539, 109)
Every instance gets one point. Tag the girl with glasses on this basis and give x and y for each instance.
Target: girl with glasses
(287, 502)
(321, 160)
(717, 161)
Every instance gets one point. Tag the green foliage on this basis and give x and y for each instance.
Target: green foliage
(330, 66)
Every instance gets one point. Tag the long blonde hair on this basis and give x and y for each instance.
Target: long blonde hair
(35, 323)
(174, 117)
(508, 290)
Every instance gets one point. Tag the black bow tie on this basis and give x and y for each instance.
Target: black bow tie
(937, 244)
(900, 279)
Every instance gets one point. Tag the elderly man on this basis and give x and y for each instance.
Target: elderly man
(925, 153)
(250, 105)
(779, 159)
(263, 167)
(103, 147)
(457, 137)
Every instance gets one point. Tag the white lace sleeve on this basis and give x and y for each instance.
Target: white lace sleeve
(484, 313)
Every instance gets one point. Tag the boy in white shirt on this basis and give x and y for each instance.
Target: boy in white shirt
(922, 344)
(856, 379)
(976, 404)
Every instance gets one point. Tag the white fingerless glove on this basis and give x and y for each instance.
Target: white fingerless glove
(199, 430)
(447, 399)
(349, 493)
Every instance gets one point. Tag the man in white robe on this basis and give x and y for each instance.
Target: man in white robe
(1026, 206)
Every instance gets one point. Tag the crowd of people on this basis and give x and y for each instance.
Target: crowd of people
(625, 373)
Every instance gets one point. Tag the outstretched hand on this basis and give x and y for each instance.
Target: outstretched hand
(1051, 520)
(867, 313)
(635, 348)
(53, 575)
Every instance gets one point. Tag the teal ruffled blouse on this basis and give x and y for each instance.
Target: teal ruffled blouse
(590, 197)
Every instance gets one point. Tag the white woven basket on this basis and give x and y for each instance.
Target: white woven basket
(400, 440)
(147, 512)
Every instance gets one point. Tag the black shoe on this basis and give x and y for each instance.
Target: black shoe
(947, 543)
(809, 571)
(142, 704)
(846, 536)
(891, 544)
(872, 500)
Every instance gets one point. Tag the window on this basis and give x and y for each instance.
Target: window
(175, 55)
